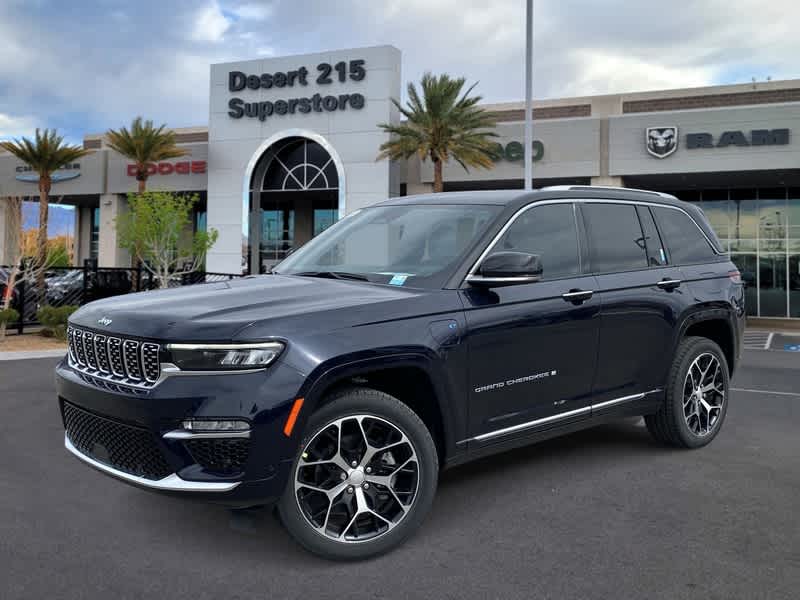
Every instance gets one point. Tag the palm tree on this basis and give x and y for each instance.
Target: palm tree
(443, 124)
(144, 143)
(45, 154)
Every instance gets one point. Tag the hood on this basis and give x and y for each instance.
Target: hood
(219, 311)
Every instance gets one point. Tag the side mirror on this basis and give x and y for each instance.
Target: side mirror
(507, 268)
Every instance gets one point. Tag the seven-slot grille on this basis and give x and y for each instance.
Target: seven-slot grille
(116, 359)
(125, 447)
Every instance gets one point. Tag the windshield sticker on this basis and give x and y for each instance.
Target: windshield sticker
(398, 279)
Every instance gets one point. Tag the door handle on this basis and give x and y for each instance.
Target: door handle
(577, 296)
(669, 284)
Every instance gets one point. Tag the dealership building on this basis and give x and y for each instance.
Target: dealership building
(291, 146)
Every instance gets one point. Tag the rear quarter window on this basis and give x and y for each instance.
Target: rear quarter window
(684, 239)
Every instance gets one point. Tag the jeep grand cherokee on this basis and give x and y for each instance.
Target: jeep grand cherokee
(414, 335)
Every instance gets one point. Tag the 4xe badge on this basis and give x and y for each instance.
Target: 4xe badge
(661, 141)
(104, 321)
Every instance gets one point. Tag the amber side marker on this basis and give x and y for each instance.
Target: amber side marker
(287, 429)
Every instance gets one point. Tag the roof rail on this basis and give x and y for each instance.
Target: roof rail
(589, 188)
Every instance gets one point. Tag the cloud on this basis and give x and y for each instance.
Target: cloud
(94, 67)
(16, 126)
(256, 11)
(210, 24)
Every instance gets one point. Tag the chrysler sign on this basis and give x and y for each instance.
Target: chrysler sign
(662, 142)
(65, 173)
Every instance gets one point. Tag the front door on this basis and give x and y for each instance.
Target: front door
(532, 350)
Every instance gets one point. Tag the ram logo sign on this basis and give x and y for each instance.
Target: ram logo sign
(661, 141)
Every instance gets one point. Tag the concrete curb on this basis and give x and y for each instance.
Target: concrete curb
(32, 354)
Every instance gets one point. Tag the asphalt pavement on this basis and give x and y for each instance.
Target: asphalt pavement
(605, 514)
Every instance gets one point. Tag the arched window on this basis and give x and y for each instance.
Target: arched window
(299, 165)
(294, 196)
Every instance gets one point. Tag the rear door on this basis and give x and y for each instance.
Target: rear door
(642, 297)
(532, 347)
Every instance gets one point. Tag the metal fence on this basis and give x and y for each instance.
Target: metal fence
(79, 285)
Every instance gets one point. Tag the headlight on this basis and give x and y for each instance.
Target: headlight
(224, 357)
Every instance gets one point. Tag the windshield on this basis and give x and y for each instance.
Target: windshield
(412, 245)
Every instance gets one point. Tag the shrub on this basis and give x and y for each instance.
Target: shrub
(54, 320)
(8, 315)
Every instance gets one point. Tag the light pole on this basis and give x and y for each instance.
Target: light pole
(529, 96)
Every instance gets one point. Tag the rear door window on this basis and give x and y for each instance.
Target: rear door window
(615, 237)
(685, 242)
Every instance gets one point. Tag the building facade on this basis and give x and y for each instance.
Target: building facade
(291, 146)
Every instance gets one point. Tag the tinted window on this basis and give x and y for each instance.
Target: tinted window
(616, 241)
(655, 249)
(685, 241)
(550, 232)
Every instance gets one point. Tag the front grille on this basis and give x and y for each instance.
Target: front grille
(101, 353)
(222, 455)
(117, 360)
(124, 447)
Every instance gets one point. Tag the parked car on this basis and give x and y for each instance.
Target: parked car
(4, 275)
(417, 334)
(64, 287)
(106, 283)
(30, 292)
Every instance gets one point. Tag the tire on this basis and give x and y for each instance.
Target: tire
(329, 519)
(686, 419)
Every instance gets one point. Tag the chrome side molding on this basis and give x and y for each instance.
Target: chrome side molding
(557, 417)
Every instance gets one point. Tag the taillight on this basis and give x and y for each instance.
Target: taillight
(735, 276)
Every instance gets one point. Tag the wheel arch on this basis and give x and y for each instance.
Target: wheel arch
(717, 325)
(413, 378)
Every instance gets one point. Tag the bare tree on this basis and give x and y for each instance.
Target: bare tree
(14, 244)
(26, 262)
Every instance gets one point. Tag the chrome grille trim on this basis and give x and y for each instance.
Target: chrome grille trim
(122, 361)
(115, 356)
(150, 362)
(101, 353)
(71, 346)
(131, 359)
(88, 349)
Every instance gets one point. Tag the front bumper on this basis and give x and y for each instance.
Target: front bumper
(170, 483)
(263, 399)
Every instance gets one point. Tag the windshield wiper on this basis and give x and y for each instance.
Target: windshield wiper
(333, 275)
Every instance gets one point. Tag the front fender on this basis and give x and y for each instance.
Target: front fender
(440, 368)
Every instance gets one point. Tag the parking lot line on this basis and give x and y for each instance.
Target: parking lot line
(752, 391)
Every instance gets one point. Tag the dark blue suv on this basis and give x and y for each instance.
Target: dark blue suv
(416, 334)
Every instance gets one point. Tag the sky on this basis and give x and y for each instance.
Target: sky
(84, 66)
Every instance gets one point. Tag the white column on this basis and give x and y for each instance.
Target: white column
(109, 253)
(607, 180)
(414, 183)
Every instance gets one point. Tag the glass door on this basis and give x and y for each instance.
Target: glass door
(773, 284)
(277, 236)
(772, 257)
